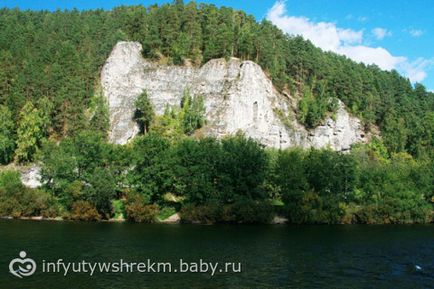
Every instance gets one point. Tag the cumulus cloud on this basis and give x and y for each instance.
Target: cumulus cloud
(329, 37)
(371, 55)
(380, 33)
(323, 34)
(415, 32)
(416, 70)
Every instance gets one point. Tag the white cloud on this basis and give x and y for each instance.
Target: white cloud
(415, 32)
(348, 36)
(371, 55)
(380, 33)
(416, 70)
(329, 37)
(323, 34)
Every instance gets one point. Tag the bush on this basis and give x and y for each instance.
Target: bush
(208, 213)
(10, 181)
(314, 209)
(249, 212)
(395, 211)
(84, 211)
(9, 207)
(16, 200)
(137, 210)
(242, 211)
(53, 210)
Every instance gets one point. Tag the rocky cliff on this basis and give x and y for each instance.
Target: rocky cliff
(238, 97)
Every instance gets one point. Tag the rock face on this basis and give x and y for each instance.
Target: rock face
(31, 176)
(238, 97)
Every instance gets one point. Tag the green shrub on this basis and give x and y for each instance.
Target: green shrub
(9, 207)
(137, 210)
(84, 211)
(395, 211)
(208, 213)
(16, 200)
(249, 211)
(10, 181)
(243, 211)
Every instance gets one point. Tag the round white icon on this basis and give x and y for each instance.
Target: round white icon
(22, 267)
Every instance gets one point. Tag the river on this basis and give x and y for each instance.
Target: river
(273, 256)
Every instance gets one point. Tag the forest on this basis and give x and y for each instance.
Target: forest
(52, 111)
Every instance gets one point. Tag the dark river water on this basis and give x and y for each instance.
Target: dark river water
(269, 256)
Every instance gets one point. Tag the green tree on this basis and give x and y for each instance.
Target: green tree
(30, 133)
(192, 112)
(144, 113)
(290, 172)
(151, 162)
(243, 169)
(82, 168)
(7, 137)
(197, 170)
(100, 191)
(99, 120)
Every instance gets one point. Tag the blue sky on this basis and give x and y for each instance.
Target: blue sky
(393, 34)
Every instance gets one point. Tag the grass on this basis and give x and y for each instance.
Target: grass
(277, 202)
(118, 208)
(165, 213)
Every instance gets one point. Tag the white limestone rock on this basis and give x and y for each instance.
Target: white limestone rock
(340, 133)
(238, 97)
(31, 176)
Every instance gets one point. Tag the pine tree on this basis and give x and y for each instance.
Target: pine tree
(192, 112)
(100, 118)
(7, 142)
(144, 112)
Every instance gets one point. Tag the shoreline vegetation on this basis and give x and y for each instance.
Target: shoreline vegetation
(52, 112)
(232, 180)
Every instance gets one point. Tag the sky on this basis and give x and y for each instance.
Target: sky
(396, 34)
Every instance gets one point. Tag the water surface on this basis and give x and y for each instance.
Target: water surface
(348, 256)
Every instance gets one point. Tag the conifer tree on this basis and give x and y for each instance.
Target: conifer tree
(144, 112)
(7, 143)
(30, 133)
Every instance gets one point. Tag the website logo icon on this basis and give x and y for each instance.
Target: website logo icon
(22, 267)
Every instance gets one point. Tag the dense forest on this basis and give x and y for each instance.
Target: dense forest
(230, 180)
(52, 111)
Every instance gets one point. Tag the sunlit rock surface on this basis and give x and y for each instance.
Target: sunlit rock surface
(238, 97)
(31, 176)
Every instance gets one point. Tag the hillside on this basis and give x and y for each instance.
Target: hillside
(50, 65)
(140, 113)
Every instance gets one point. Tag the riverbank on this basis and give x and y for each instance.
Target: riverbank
(173, 219)
(176, 219)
